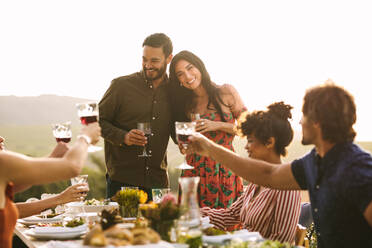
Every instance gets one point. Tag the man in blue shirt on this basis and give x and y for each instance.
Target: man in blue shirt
(337, 173)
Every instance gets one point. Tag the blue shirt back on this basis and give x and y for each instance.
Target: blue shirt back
(340, 189)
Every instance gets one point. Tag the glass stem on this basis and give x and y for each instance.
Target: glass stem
(144, 151)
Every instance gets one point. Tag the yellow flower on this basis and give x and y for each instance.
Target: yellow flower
(143, 196)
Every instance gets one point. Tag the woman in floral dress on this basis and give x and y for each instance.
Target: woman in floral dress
(192, 91)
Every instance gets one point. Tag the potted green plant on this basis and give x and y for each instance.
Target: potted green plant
(128, 200)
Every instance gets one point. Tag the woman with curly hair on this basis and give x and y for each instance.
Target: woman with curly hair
(192, 91)
(272, 213)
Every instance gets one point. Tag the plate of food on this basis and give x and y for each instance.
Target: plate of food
(36, 219)
(215, 236)
(92, 205)
(117, 236)
(72, 229)
(63, 235)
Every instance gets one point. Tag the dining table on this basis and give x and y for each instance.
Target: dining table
(30, 242)
(21, 232)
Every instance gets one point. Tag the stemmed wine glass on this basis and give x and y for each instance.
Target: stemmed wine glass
(62, 132)
(183, 131)
(88, 113)
(78, 180)
(146, 128)
(195, 116)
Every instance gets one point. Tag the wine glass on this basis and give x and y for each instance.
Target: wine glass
(146, 128)
(88, 113)
(195, 116)
(157, 194)
(183, 131)
(62, 131)
(77, 180)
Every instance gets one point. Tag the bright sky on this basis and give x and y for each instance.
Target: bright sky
(269, 50)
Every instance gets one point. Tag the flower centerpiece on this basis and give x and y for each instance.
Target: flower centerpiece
(129, 199)
(162, 215)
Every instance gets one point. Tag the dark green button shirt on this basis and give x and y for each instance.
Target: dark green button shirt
(129, 100)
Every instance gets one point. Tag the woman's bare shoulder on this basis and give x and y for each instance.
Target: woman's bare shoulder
(228, 94)
(227, 89)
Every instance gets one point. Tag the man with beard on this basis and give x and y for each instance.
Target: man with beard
(138, 98)
(337, 173)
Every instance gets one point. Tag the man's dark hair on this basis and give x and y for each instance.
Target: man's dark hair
(266, 124)
(182, 98)
(334, 109)
(159, 40)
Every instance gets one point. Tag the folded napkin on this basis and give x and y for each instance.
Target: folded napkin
(241, 234)
(59, 229)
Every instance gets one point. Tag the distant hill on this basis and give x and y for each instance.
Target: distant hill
(38, 110)
(25, 122)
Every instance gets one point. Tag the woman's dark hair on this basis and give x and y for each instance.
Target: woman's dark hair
(266, 124)
(182, 98)
(334, 109)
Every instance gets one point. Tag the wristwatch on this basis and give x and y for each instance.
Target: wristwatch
(85, 137)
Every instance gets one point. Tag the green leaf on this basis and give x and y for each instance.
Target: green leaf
(212, 189)
(213, 134)
(216, 202)
(230, 202)
(225, 191)
(216, 169)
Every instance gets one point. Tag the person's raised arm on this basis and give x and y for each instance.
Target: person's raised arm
(59, 151)
(72, 193)
(21, 169)
(255, 171)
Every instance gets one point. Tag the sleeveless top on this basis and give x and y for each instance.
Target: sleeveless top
(8, 218)
(219, 187)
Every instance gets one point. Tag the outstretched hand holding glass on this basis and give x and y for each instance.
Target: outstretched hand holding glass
(62, 132)
(183, 131)
(88, 113)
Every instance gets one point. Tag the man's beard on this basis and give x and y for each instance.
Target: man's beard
(159, 72)
(305, 141)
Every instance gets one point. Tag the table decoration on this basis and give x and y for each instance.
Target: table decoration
(128, 200)
(162, 215)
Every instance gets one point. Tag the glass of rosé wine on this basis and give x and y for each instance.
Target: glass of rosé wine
(88, 113)
(183, 131)
(62, 132)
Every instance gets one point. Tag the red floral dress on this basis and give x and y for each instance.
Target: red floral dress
(219, 187)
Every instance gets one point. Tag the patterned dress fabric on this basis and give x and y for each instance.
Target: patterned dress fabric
(219, 187)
